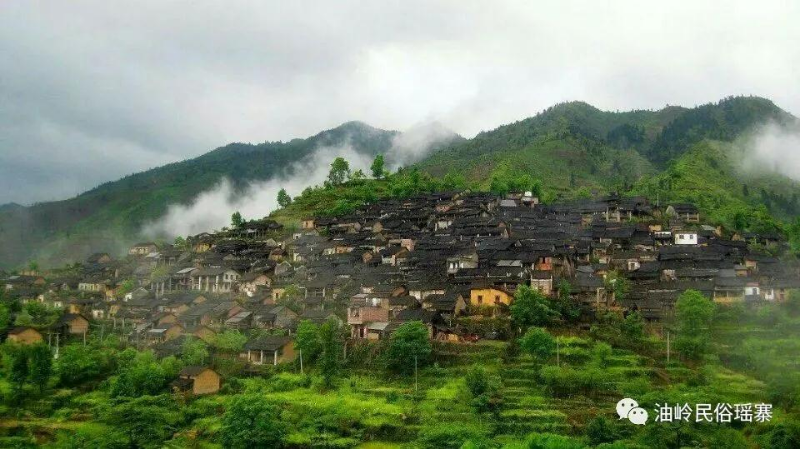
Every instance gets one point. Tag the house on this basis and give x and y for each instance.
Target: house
(164, 333)
(197, 380)
(489, 296)
(73, 324)
(202, 332)
(216, 280)
(143, 249)
(269, 350)
(25, 335)
(685, 211)
(685, 237)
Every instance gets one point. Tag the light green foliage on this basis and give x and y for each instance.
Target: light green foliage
(601, 352)
(693, 313)
(78, 364)
(331, 341)
(194, 352)
(340, 171)
(531, 308)
(236, 220)
(410, 342)
(538, 343)
(230, 341)
(308, 340)
(142, 375)
(251, 421)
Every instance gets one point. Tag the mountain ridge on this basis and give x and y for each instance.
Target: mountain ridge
(570, 147)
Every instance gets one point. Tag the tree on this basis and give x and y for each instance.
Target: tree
(77, 364)
(693, 313)
(330, 350)
(308, 340)
(230, 341)
(194, 352)
(5, 317)
(531, 308)
(252, 422)
(146, 422)
(340, 170)
(601, 353)
(284, 200)
(408, 344)
(538, 343)
(141, 376)
(18, 368)
(632, 327)
(179, 242)
(377, 167)
(600, 431)
(236, 220)
(41, 365)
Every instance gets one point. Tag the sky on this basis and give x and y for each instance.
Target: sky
(93, 90)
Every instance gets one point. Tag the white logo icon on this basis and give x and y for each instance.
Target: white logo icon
(629, 408)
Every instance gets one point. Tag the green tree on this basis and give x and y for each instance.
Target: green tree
(230, 341)
(146, 421)
(531, 308)
(693, 314)
(5, 317)
(331, 343)
(409, 342)
(308, 340)
(180, 242)
(599, 431)
(538, 343)
(284, 200)
(377, 167)
(601, 352)
(194, 352)
(77, 364)
(340, 171)
(251, 422)
(19, 369)
(141, 376)
(41, 365)
(236, 220)
(632, 327)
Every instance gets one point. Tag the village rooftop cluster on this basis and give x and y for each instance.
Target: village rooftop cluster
(451, 260)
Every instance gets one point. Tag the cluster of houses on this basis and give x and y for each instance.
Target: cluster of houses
(435, 258)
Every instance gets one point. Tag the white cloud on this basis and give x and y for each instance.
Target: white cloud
(176, 79)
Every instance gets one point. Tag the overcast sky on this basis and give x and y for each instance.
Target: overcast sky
(91, 91)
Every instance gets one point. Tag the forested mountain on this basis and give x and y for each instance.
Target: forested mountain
(109, 217)
(573, 148)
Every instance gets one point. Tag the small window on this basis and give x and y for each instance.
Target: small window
(480, 299)
(497, 299)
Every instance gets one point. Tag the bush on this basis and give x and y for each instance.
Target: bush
(449, 435)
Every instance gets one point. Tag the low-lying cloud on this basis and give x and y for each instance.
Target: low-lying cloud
(776, 148)
(212, 209)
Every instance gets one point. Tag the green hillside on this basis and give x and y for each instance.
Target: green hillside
(572, 149)
(109, 217)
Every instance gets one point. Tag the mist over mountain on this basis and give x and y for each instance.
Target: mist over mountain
(569, 147)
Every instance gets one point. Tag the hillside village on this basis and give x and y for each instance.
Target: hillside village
(451, 260)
